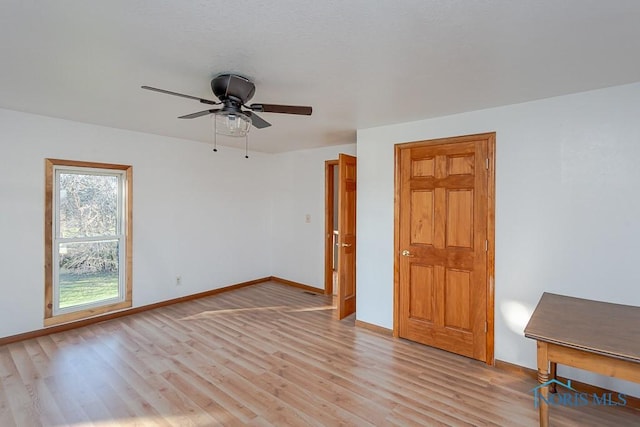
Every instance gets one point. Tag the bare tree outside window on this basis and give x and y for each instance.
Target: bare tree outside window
(88, 207)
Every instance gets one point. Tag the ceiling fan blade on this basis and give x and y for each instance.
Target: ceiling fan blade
(285, 109)
(199, 114)
(168, 92)
(256, 120)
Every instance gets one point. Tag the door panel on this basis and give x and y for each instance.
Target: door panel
(347, 235)
(442, 225)
(459, 218)
(457, 299)
(422, 293)
(422, 217)
(423, 167)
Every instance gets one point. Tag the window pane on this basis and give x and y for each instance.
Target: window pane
(88, 205)
(88, 272)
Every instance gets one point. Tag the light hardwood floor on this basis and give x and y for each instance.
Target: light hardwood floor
(262, 355)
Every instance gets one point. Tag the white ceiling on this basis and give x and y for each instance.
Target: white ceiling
(359, 63)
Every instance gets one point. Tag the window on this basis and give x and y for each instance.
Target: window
(87, 239)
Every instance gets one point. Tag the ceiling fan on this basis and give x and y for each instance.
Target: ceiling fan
(235, 116)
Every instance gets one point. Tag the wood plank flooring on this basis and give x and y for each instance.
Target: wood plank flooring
(265, 355)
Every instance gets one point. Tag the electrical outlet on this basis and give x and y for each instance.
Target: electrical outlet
(178, 280)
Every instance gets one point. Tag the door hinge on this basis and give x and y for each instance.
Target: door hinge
(487, 162)
(486, 245)
(486, 327)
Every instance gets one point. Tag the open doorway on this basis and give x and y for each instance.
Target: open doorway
(340, 233)
(331, 229)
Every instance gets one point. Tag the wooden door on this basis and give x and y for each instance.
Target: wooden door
(346, 236)
(443, 234)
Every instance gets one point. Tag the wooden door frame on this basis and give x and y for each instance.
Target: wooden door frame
(329, 226)
(491, 219)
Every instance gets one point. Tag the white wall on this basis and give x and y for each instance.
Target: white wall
(567, 209)
(198, 214)
(298, 189)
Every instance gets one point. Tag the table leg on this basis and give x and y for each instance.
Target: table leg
(543, 377)
(552, 375)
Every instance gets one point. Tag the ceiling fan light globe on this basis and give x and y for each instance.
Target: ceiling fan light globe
(231, 124)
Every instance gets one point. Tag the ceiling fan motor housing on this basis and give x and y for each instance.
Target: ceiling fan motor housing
(232, 87)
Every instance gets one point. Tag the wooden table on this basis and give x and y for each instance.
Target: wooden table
(596, 336)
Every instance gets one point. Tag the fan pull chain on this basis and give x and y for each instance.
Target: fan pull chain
(246, 146)
(215, 135)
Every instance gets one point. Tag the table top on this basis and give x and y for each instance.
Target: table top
(598, 327)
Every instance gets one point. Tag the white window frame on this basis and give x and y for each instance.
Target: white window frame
(119, 237)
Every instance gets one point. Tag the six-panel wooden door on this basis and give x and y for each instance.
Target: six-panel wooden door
(442, 209)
